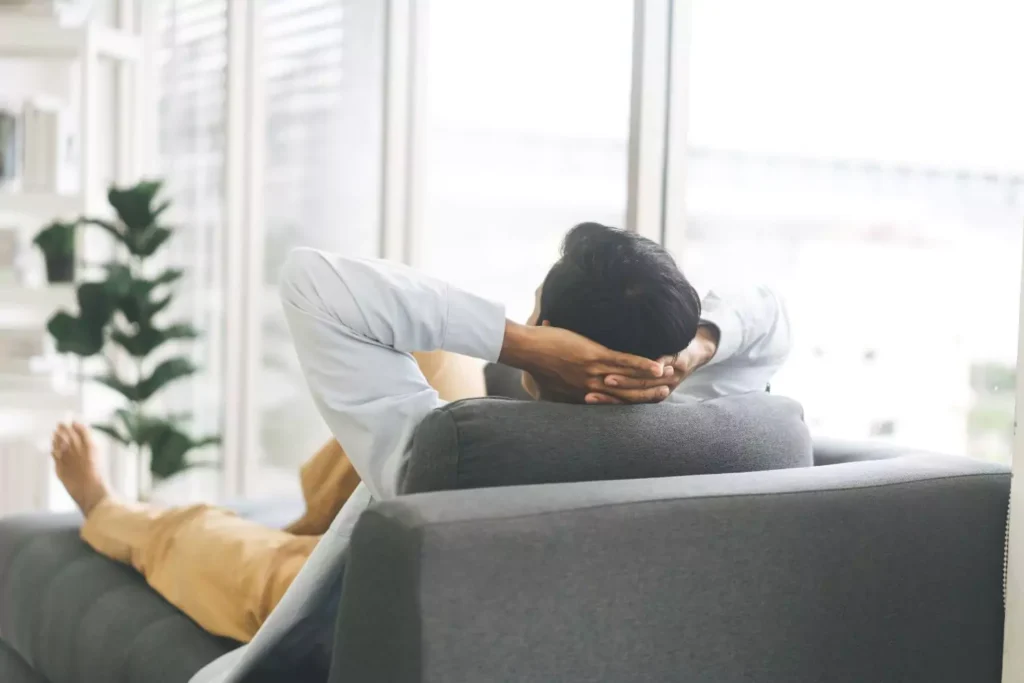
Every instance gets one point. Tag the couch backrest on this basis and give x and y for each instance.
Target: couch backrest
(499, 442)
(885, 571)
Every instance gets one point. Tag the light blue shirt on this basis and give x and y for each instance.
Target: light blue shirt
(355, 323)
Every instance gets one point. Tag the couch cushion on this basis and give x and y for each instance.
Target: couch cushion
(13, 668)
(500, 442)
(75, 616)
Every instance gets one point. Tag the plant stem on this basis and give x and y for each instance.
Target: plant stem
(140, 467)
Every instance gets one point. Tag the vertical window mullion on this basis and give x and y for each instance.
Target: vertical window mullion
(236, 190)
(254, 245)
(648, 118)
(403, 39)
(677, 128)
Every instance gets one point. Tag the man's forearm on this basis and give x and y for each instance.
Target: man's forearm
(515, 348)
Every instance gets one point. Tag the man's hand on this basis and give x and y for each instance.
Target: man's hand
(572, 366)
(621, 388)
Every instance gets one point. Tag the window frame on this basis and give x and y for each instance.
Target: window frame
(653, 182)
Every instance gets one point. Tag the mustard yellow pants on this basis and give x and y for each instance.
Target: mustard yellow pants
(228, 573)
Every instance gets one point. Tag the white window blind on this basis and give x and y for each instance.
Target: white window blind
(192, 79)
(303, 67)
(322, 65)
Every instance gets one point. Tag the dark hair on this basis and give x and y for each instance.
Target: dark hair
(621, 290)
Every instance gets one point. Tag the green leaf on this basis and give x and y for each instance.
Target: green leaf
(149, 241)
(119, 280)
(114, 382)
(73, 335)
(168, 444)
(141, 428)
(160, 208)
(114, 231)
(139, 310)
(169, 449)
(169, 371)
(112, 432)
(95, 303)
(147, 339)
(83, 335)
(134, 206)
(135, 299)
(167, 277)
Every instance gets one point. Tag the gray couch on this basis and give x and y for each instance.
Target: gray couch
(878, 564)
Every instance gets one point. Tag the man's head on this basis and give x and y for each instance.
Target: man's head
(620, 290)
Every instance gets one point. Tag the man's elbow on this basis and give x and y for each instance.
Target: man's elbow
(294, 280)
(781, 335)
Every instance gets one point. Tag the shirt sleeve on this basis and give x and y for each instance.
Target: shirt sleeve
(354, 323)
(754, 341)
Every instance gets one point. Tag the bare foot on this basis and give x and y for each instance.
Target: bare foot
(74, 455)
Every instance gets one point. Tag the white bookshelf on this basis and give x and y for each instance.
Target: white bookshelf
(18, 301)
(35, 393)
(35, 37)
(35, 204)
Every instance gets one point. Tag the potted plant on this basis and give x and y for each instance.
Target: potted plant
(125, 312)
(57, 242)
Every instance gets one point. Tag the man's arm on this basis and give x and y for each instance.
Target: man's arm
(742, 341)
(750, 334)
(354, 324)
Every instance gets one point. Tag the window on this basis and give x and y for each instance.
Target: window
(845, 154)
(525, 134)
(192, 60)
(323, 66)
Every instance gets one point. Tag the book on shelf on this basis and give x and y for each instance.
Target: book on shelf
(10, 254)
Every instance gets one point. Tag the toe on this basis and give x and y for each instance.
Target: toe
(82, 432)
(71, 436)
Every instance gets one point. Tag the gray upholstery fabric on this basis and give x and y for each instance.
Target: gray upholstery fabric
(498, 442)
(13, 668)
(503, 381)
(886, 571)
(74, 616)
(837, 451)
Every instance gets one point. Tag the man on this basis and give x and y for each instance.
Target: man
(615, 322)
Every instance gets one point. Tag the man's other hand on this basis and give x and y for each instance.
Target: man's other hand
(573, 366)
(620, 388)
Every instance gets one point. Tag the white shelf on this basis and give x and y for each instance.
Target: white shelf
(34, 303)
(40, 37)
(42, 204)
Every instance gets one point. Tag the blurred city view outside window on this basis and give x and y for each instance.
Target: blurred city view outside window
(867, 159)
(525, 134)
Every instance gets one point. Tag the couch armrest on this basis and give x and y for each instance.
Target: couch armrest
(878, 571)
(831, 451)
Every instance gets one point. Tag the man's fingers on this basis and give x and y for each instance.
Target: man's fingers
(620, 382)
(630, 366)
(653, 395)
(604, 370)
(595, 398)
